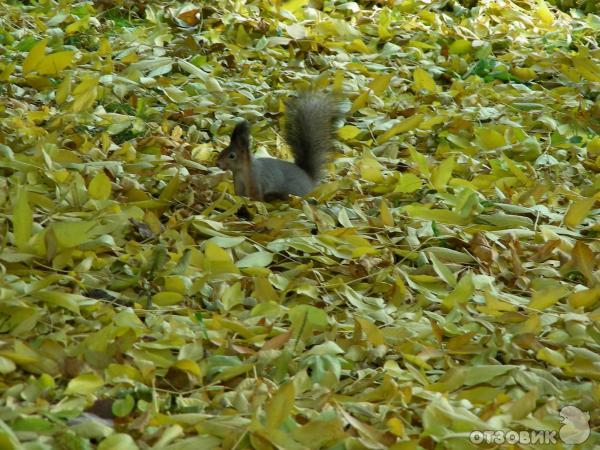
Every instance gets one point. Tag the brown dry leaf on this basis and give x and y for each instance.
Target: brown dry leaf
(583, 259)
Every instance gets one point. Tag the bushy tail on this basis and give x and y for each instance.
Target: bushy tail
(309, 129)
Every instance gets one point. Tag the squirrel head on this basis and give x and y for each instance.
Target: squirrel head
(236, 156)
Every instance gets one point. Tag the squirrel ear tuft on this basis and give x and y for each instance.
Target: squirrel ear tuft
(240, 137)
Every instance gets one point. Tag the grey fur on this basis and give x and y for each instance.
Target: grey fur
(309, 133)
(309, 130)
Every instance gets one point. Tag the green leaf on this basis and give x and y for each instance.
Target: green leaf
(62, 299)
(167, 298)
(8, 440)
(84, 384)
(256, 259)
(122, 407)
(118, 441)
(484, 373)
(22, 219)
(73, 233)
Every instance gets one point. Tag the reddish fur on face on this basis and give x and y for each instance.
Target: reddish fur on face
(237, 158)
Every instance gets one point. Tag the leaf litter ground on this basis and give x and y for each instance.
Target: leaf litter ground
(443, 280)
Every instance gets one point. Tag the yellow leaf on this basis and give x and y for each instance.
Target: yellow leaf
(533, 325)
(370, 169)
(62, 299)
(279, 407)
(400, 292)
(578, 211)
(428, 16)
(35, 56)
(438, 215)
(462, 293)
(407, 183)
(84, 384)
(153, 222)
(54, 63)
(406, 125)
(373, 334)
(593, 147)
(8, 438)
(386, 216)
(417, 361)
(570, 73)
(524, 73)
(167, 298)
(396, 426)
(217, 260)
(442, 174)
(177, 283)
(420, 161)
(100, 187)
(7, 366)
(338, 81)
(521, 176)
(360, 101)
(419, 44)
(348, 132)
(189, 366)
(170, 189)
(489, 138)
(7, 71)
(428, 124)
(22, 219)
(548, 297)
(407, 6)
(72, 234)
(380, 83)
(131, 58)
(104, 49)
(552, 357)
(544, 14)
(119, 441)
(232, 296)
(122, 371)
(383, 27)
(443, 271)
(423, 81)
(77, 26)
(583, 258)
(494, 306)
(460, 47)
(520, 408)
(357, 45)
(264, 291)
(242, 39)
(587, 68)
(306, 319)
(317, 433)
(22, 354)
(38, 116)
(85, 94)
(587, 298)
(294, 5)
(256, 259)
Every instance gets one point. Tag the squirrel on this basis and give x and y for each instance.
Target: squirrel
(308, 132)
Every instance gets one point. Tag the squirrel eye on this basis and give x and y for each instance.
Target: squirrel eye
(232, 156)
